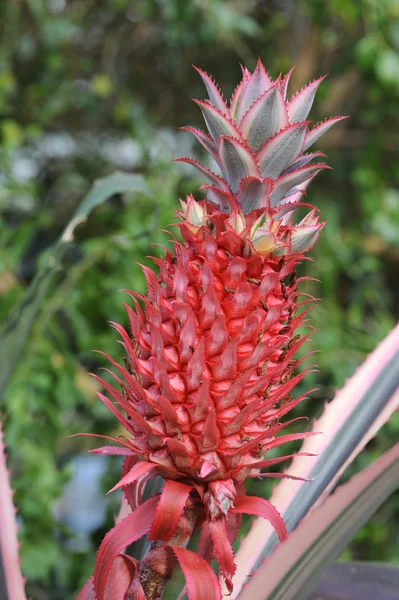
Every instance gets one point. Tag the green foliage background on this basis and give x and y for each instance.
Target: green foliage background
(91, 86)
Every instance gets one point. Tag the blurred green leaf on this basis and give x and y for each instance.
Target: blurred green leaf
(20, 322)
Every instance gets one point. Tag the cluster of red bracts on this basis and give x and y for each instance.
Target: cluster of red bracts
(208, 376)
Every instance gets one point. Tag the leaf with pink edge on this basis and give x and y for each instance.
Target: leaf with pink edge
(254, 86)
(284, 83)
(303, 160)
(204, 139)
(214, 94)
(287, 182)
(264, 119)
(253, 193)
(201, 581)
(169, 510)
(237, 162)
(319, 130)
(217, 123)
(225, 201)
(304, 238)
(281, 150)
(300, 105)
(126, 532)
(212, 177)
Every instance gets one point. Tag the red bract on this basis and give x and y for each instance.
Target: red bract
(209, 367)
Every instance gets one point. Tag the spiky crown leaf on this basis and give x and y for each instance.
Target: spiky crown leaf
(259, 143)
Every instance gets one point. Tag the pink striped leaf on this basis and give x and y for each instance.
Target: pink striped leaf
(10, 570)
(296, 565)
(348, 423)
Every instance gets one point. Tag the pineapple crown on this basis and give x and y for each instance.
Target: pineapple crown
(259, 144)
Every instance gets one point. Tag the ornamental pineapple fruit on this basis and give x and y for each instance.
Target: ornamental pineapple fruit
(210, 351)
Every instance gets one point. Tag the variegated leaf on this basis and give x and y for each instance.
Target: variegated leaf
(319, 130)
(217, 124)
(225, 201)
(279, 152)
(264, 119)
(285, 183)
(237, 162)
(303, 160)
(257, 85)
(254, 193)
(284, 83)
(205, 140)
(300, 105)
(303, 238)
(214, 94)
(213, 178)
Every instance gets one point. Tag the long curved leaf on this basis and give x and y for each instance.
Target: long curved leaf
(132, 528)
(18, 326)
(295, 566)
(355, 415)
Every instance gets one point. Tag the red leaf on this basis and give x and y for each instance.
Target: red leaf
(137, 471)
(169, 510)
(87, 591)
(126, 532)
(120, 577)
(201, 581)
(252, 505)
(223, 549)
